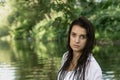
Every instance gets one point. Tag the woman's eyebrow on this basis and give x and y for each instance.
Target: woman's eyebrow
(83, 34)
(73, 32)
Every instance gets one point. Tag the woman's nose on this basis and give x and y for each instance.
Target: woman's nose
(77, 40)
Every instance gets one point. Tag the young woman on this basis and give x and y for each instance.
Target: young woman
(78, 62)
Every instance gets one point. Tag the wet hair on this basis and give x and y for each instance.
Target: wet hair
(82, 61)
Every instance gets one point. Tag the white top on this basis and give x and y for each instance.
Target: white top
(93, 70)
(69, 75)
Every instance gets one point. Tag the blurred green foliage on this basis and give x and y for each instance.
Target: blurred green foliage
(50, 19)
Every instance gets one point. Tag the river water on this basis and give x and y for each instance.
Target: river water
(30, 60)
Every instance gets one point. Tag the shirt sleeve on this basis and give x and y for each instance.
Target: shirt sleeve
(93, 71)
(98, 75)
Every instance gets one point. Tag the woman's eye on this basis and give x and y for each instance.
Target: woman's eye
(83, 37)
(73, 35)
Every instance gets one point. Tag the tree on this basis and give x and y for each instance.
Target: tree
(39, 18)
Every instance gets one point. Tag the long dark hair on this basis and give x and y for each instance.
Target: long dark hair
(81, 65)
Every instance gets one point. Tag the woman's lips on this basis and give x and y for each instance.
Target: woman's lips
(76, 46)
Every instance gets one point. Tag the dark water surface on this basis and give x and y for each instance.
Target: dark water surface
(29, 60)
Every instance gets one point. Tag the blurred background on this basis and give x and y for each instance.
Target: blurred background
(33, 36)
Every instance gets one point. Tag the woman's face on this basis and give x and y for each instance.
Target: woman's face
(78, 38)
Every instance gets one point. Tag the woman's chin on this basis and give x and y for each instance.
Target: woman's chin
(76, 50)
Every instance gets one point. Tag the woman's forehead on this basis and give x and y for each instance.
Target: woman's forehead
(78, 29)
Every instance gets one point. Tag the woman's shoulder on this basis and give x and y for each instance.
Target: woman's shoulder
(65, 54)
(93, 69)
(64, 58)
(93, 62)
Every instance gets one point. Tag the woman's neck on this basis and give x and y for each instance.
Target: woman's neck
(76, 56)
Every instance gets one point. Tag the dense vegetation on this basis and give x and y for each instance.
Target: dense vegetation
(50, 19)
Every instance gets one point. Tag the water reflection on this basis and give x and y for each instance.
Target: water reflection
(30, 60)
(7, 72)
(108, 57)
